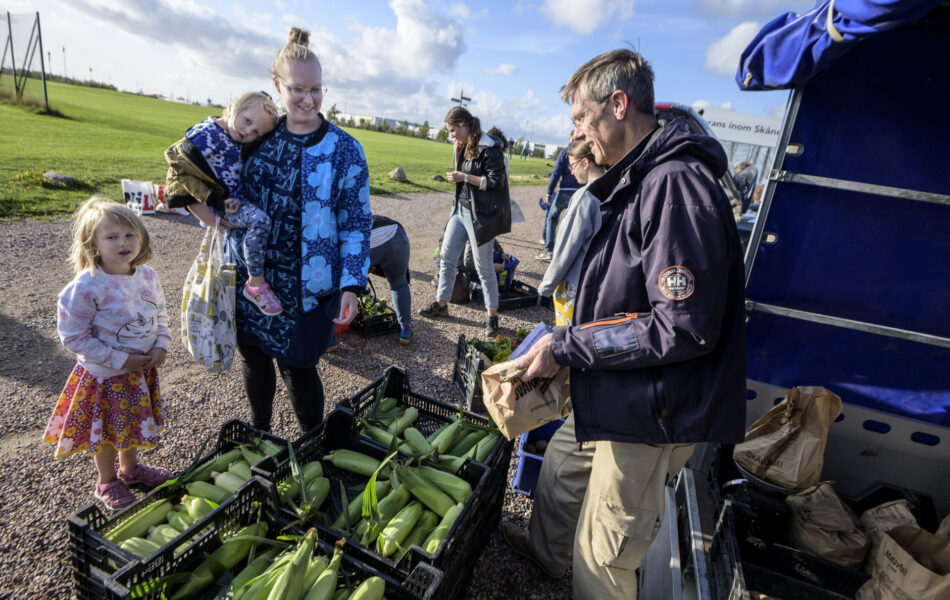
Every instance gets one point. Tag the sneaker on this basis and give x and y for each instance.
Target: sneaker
(147, 476)
(334, 344)
(435, 310)
(264, 298)
(543, 242)
(491, 327)
(115, 494)
(514, 536)
(405, 334)
(544, 257)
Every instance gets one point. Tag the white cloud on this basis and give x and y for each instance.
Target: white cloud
(388, 64)
(722, 56)
(752, 8)
(585, 16)
(461, 11)
(207, 39)
(504, 69)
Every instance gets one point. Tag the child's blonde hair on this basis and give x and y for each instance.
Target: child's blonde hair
(93, 212)
(249, 100)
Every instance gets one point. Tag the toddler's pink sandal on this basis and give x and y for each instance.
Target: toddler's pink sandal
(264, 298)
(147, 476)
(115, 494)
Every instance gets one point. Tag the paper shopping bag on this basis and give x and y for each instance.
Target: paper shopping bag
(823, 525)
(909, 564)
(518, 406)
(786, 447)
(208, 329)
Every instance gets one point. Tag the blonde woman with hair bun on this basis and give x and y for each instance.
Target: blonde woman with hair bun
(310, 177)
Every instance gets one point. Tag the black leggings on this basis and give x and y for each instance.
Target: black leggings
(303, 385)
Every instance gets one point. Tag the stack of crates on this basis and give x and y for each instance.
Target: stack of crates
(467, 374)
(94, 558)
(518, 295)
(104, 570)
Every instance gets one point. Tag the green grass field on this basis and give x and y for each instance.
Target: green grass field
(105, 136)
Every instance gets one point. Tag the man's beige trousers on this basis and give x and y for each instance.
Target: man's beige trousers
(598, 506)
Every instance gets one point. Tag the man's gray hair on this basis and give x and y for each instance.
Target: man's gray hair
(623, 70)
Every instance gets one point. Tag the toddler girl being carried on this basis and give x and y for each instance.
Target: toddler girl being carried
(112, 316)
(204, 174)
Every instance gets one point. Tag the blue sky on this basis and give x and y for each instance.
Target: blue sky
(405, 59)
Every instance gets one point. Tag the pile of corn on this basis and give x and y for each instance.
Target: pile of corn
(282, 572)
(448, 447)
(206, 485)
(419, 505)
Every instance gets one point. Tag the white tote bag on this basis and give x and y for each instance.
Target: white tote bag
(208, 329)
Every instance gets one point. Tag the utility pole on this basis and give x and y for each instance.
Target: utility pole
(461, 99)
(64, 64)
(49, 59)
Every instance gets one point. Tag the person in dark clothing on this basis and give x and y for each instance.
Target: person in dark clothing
(482, 211)
(389, 258)
(557, 202)
(656, 349)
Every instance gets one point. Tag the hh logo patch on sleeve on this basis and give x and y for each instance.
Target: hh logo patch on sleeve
(676, 283)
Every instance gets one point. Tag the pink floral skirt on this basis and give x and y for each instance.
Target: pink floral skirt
(123, 411)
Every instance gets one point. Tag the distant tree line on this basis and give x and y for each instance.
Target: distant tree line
(60, 79)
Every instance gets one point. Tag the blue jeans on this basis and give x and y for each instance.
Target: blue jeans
(459, 230)
(257, 224)
(393, 258)
(558, 204)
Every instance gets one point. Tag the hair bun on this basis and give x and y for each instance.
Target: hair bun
(299, 36)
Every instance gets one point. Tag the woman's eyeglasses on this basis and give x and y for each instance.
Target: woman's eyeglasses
(297, 92)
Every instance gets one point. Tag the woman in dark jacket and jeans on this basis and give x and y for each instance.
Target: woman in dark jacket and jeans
(482, 211)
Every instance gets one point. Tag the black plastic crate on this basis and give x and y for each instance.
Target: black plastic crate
(746, 562)
(375, 325)
(432, 414)
(459, 559)
(94, 558)
(341, 433)
(466, 375)
(253, 501)
(518, 295)
(921, 505)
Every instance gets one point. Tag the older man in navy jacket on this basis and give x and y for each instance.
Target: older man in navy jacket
(657, 349)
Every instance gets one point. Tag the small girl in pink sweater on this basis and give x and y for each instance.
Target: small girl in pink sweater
(112, 316)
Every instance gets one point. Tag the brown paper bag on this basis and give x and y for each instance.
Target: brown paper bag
(786, 447)
(909, 564)
(517, 406)
(824, 526)
(944, 529)
(882, 518)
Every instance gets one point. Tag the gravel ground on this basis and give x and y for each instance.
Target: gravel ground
(37, 493)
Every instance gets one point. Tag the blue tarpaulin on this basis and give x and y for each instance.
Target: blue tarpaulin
(841, 248)
(793, 48)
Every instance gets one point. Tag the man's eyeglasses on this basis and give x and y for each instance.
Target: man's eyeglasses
(584, 118)
(297, 92)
